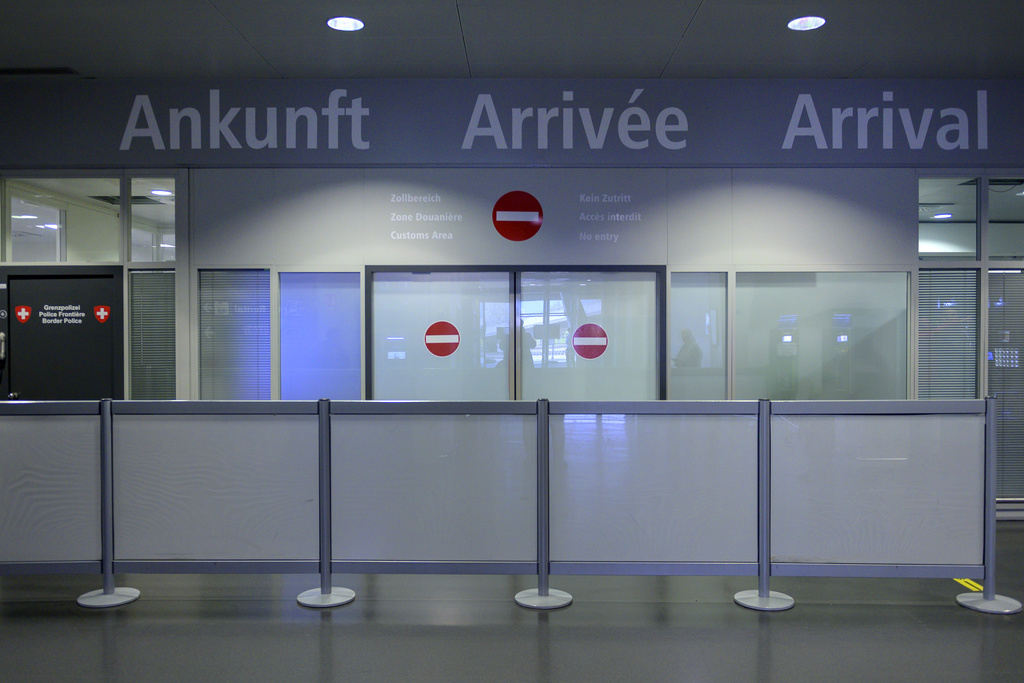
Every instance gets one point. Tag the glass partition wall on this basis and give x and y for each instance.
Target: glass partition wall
(599, 332)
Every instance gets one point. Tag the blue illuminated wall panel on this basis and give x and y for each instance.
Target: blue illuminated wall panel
(320, 337)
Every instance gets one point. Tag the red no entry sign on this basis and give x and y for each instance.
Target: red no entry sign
(517, 216)
(589, 341)
(442, 338)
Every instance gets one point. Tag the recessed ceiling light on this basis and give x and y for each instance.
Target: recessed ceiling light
(942, 216)
(345, 24)
(162, 193)
(806, 23)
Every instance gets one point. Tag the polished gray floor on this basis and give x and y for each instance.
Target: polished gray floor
(467, 628)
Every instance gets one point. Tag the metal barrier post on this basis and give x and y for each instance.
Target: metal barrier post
(109, 595)
(987, 601)
(763, 599)
(327, 595)
(543, 597)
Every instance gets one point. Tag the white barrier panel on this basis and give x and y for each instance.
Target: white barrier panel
(878, 489)
(434, 488)
(49, 488)
(636, 489)
(860, 488)
(216, 487)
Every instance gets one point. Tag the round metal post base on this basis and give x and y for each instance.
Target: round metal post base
(98, 599)
(998, 605)
(774, 602)
(534, 600)
(337, 596)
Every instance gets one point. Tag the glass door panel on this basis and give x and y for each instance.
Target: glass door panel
(588, 336)
(440, 335)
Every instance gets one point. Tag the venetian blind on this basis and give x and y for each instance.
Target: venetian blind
(947, 331)
(1005, 339)
(234, 334)
(151, 346)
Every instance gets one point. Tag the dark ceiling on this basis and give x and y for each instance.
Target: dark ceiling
(511, 38)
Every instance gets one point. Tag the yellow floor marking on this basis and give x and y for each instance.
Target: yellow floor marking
(968, 583)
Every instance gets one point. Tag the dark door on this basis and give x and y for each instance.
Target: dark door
(64, 332)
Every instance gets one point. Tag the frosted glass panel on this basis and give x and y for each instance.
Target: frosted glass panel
(871, 489)
(200, 487)
(320, 336)
(440, 336)
(821, 336)
(629, 488)
(434, 488)
(49, 489)
(589, 336)
(697, 336)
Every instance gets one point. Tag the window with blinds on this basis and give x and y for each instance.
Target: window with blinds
(151, 344)
(1005, 381)
(234, 334)
(947, 331)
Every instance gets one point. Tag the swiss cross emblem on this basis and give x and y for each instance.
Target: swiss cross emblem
(23, 313)
(102, 313)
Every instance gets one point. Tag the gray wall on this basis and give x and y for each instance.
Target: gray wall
(685, 218)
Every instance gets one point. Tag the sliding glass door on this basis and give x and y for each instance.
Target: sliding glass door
(509, 334)
(589, 336)
(440, 335)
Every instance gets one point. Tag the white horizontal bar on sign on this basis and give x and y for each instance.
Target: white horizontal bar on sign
(442, 339)
(525, 216)
(590, 341)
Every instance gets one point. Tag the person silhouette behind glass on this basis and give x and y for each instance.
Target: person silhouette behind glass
(527, 342)
(689, 354)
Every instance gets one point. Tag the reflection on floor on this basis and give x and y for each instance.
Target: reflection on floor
(467, 628)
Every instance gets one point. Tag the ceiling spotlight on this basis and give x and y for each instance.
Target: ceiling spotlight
(161, 193)
(942, 216)
(345, 24)
(806, 23)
